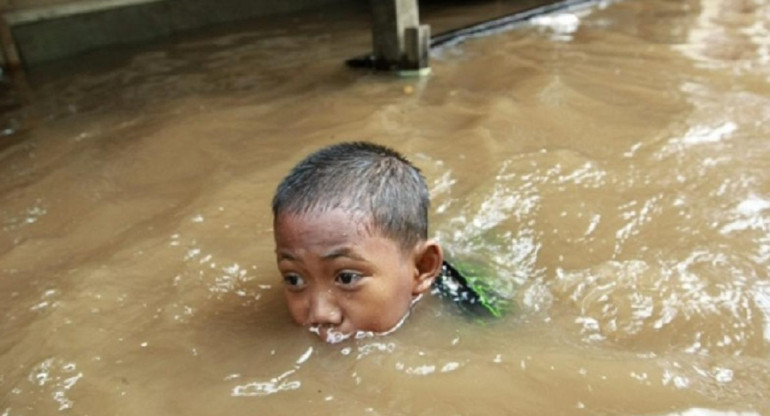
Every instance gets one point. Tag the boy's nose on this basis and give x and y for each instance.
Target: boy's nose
(323, 310)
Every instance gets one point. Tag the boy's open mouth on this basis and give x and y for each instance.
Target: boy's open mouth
(332, 335)
(329, 334)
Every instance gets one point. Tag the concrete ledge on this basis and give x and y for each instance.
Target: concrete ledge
(49, 33)
(34, 14)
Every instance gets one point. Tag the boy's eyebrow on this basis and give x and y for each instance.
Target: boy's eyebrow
(341, 252)
(285, 256)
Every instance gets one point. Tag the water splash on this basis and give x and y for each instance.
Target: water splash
(266, 388)
(274, 385)
(699, 411)
(58, 378)
(27, 217)
(562, 26)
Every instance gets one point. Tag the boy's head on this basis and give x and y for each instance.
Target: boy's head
(351, 224)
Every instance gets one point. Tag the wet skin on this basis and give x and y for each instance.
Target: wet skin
(340, 277)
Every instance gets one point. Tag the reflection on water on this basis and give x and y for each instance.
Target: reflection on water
(610, 165)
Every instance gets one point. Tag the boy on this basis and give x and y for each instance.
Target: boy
(351, 235)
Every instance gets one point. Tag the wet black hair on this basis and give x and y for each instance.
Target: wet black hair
(364, 179)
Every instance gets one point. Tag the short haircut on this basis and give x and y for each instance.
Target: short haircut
(363, 178)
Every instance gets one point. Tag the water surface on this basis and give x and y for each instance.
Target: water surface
(611, 165)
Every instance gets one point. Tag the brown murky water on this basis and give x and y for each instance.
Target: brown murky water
(613, 166)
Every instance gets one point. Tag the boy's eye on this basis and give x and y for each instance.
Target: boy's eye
(294, 281)
(348, 278)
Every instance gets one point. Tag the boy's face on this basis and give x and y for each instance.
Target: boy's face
(341, 278)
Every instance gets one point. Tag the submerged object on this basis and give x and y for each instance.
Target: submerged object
(488, 27)
(468, 285)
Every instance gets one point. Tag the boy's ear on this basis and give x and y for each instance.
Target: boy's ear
(428, 261)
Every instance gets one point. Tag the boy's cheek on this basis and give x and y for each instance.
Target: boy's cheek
(366, 316)
(296, 307)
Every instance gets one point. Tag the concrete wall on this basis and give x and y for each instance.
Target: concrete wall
(59, 28)
(25, 4)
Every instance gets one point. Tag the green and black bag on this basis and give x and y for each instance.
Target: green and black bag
(468, 286)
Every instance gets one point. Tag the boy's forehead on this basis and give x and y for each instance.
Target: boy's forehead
(330, 225)
(329, 232)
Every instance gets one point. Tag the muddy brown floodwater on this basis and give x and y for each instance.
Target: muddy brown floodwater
(612, 165)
